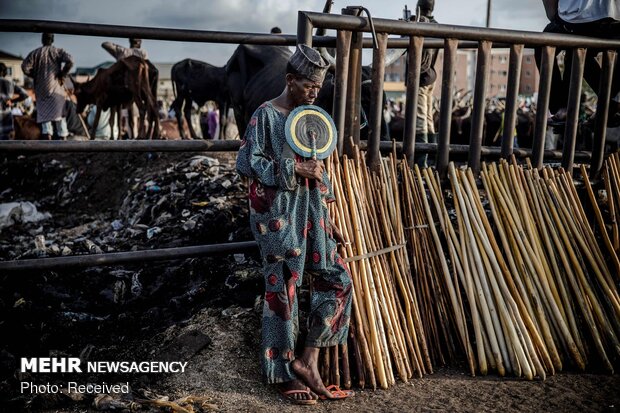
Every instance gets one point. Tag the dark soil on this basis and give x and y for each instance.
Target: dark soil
(201, 310)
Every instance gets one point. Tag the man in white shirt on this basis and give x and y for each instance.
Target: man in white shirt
(595, 18)
(119, 52)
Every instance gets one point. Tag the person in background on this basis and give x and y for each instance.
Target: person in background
(424, 125)
(600, 18)
(213, 120)
(120, 52)
(104, 130)
(48, 66)
(8, 92)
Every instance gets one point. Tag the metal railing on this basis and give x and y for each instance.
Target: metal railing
(349, 43)
(350, 26)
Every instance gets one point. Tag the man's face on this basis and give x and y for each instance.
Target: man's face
(304, 91)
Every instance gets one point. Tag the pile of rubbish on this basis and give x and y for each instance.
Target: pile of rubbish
(54, 205)
(191, 202)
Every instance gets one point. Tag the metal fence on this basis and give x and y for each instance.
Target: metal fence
(349, 42)
(349, 28)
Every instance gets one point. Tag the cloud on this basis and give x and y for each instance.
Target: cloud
(226, 15)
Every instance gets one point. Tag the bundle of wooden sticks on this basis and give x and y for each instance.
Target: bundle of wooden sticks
(507, 273)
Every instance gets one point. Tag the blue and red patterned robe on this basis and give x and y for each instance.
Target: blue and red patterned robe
(290, 222)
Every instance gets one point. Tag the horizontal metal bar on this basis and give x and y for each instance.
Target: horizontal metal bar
(486, 151)
(116, 258)
(205, 36)
(341, 22)
(154, 33)
(231, 146)
(121, 146)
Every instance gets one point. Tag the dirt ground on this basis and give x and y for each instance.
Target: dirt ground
(229, 373)
(222, 311)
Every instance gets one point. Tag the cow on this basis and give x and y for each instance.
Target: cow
(196, 81)
(26, 128)
(255, 74)
(124, 83)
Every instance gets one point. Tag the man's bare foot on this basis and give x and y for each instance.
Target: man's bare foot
(306, 368)
(296, 391)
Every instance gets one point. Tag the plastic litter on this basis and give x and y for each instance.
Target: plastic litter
(20, 212)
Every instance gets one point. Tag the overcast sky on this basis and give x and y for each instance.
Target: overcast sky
(227, 15)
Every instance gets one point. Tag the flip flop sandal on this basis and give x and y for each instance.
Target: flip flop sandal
(337, 393)
(290, 396)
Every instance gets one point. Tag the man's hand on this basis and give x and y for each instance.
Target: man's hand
(312, 169)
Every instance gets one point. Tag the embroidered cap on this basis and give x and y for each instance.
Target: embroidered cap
(309, 63)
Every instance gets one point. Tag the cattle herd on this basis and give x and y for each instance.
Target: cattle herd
(252, 75)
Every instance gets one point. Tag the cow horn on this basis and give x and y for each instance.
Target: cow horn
(328, 58)
(391, 56)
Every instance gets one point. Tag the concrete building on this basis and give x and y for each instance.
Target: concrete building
(14, 66)
(465, 73)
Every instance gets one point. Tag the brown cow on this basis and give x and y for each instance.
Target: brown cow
(124, 83)
(26, 128)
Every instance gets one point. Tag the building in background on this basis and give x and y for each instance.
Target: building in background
(14, 66)
(465, 73)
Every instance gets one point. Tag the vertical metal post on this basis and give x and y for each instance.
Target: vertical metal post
(416, 44)
(445, 114)
(542, 106)
(488, 13)
(343, 47)
(376, 101)
(354, 96)
(510, 114)
(477, 118)
(602, 107)
(304, 29)
(572, 115)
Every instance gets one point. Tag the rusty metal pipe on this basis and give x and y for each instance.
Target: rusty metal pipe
(376, 101)
(544, 89)
(413, 88)
(304, 29)
(602, 108)
(354, 96)
(512, 91)
(343, 49)
(126, 146)
(117, 258)
(572, 115)
(445, 115)
(477, 118)
(398, 27)
(121, 146)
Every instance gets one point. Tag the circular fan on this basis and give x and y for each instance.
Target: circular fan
(311, 132)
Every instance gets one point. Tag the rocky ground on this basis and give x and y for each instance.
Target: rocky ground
(200, 310)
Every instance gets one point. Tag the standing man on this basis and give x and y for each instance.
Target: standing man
(119, 52)
(49, 66)
(8, 90)
(600, 18)
(424, 125)
(288, 198)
